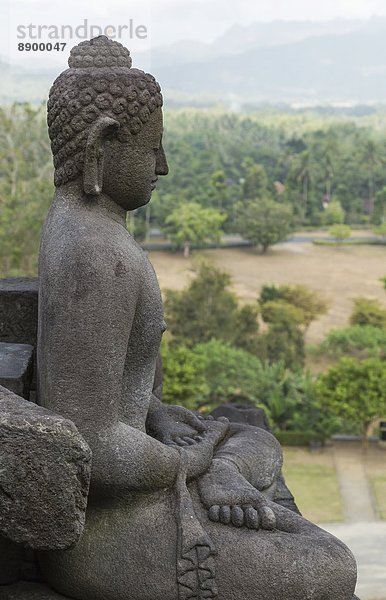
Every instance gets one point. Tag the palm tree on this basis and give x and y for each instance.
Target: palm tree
(304, 174)
(370, 160)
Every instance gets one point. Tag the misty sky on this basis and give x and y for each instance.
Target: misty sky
(167, 21)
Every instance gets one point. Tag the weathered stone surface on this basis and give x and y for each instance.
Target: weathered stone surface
(16, 365)
(28, 591)
(19, 310)
(44, 475)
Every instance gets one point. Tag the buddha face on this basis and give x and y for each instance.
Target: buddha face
(131, 168)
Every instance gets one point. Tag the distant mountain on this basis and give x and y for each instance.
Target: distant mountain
(337, 61)
(348, 67)
(240, 38)
(22, 85)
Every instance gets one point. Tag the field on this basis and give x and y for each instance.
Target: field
(311, 477)
(340, 273)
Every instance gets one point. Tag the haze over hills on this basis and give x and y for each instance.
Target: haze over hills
(338, 61)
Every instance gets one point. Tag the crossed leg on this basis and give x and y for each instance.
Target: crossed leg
(242, 478)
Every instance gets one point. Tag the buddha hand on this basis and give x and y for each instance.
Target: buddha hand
(175, 426)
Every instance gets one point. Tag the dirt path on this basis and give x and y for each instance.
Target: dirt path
(357, 501)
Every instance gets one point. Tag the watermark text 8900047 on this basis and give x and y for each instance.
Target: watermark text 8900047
(41, 47)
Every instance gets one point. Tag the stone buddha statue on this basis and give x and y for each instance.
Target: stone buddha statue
(179, 507)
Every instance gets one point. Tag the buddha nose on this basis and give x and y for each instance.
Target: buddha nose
(161, 165)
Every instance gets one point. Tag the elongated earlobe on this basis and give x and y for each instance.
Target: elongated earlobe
(103, 129)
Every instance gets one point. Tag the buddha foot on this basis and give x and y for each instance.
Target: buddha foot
(231, 500)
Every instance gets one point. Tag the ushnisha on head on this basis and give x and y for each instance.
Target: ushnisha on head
(105, 123)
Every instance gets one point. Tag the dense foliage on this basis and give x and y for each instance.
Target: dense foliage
(207, 309)
(259, 175)
(355, 391)
(368, 312)
(323, 170)
(358, 341)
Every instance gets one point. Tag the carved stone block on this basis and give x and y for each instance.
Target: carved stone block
(19, 310)
(44, 475)
(16, 365)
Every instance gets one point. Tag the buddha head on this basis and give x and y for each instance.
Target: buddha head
(105, 125)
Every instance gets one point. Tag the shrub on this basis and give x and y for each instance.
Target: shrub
(281, 312)
(340, 232)
(333, 214)
(299, 438)
(360, 341)
(307, 304)
(368, 312)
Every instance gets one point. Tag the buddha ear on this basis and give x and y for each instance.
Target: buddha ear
(102, 130)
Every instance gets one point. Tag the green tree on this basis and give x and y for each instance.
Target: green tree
(368, 312)
(381, 230)
(264, 222)
(379, 213)
(190, 224)
(283, 342)
(340, 232)
(280, 312)
(355, 391)
(305, 305)
(184, 381)
(255, 181)
(247, 328)
(370, 159)
(304, 176)
(26, 186)
(218, 190)
(288, 398)
(207, 309)
(228, 371)
(334, 213)
(358, 341)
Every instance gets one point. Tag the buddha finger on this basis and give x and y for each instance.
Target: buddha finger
(225, 515)
(189, 440)
(251, 518)
(180, 442)
(172, 444)
(237, 516)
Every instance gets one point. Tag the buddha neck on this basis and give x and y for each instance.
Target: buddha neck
(72, 194)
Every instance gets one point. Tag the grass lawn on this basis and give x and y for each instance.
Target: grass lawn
(378, 488)
(375, 466)
(312, 480)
